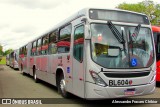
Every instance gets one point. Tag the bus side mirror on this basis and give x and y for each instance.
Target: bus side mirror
(87, 32)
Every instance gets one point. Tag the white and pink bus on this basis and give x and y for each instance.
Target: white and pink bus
(13, 59)
(96, 53)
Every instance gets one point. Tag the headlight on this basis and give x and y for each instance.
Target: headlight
(153, 79)
(98, 80)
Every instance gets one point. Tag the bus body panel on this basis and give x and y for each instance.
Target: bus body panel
(53, 64)
(156, 33)
(158, 71)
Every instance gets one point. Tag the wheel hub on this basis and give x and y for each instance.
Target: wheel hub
(63, 86)
(35, 77)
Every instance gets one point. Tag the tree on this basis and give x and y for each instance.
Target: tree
(8, 51)
(1, 50)
(147, 7)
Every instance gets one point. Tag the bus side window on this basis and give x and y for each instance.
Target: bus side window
(53, 42)
(33, 50)
(39, 46)
(26, 50)
(78, 43)
(63, 45)
(45, 42)
(23, 51)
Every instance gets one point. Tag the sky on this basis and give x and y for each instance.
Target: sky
(23, 20)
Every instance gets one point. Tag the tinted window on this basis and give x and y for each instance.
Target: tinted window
(63, 44)
(45, 42)
(39, 42)
(33, 51)
(78, 43)
(158, 44)
(53, 42)
(65, 33)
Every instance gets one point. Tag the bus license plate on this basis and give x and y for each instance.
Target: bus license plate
(116, 83)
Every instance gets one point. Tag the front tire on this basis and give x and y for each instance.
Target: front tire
(62, 87)
(35, 77)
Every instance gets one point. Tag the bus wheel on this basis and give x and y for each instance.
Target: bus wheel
(62, 87)
(35, 77)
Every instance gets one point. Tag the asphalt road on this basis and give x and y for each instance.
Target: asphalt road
(15, 85)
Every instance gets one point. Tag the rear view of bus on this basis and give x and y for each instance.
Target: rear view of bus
(120, 54)
(156, 34)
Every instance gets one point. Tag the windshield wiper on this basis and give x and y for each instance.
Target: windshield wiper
(116, 33)
(136, 32)
(131, 41)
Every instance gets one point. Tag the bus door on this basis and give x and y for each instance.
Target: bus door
(78, 60)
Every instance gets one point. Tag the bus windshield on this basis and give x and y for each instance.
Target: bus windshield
(107, 51)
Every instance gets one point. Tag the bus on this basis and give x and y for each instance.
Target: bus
(23, 60)
(156, 34)
(13, 59)
(7, 59)
(95, 54)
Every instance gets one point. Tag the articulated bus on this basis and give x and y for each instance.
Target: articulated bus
(96, 53)
(156, 34)
(13, 59)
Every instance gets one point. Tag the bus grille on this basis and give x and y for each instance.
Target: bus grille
(126, 74)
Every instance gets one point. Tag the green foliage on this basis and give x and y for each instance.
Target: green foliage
(148, 7)
(8, 52)
(1, 51)
(3, 60)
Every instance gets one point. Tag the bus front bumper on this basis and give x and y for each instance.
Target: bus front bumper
(94, 91)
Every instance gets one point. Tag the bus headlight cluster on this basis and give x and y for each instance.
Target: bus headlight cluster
(98, 80)
(153, 79)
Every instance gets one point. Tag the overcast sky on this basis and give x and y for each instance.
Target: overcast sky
(23, 20)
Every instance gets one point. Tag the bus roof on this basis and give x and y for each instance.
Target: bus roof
(156, 28)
